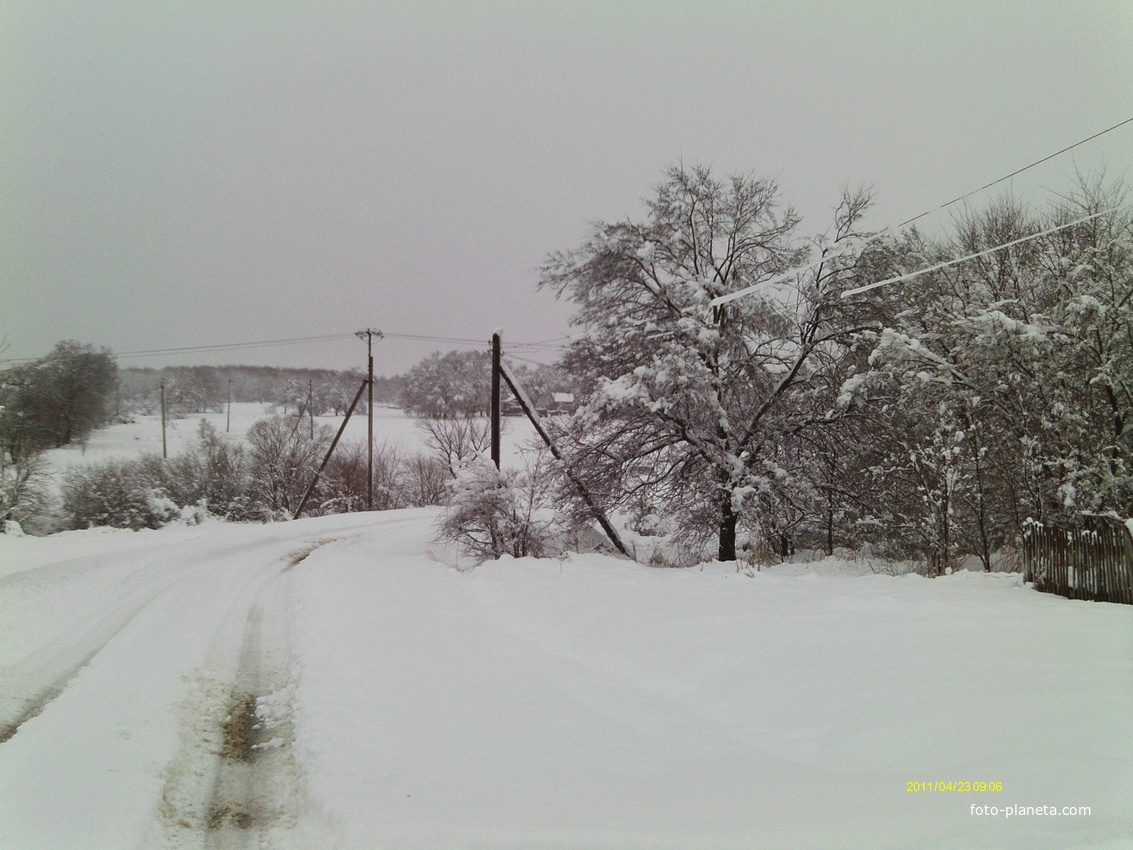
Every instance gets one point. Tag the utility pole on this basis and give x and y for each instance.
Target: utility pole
(228, 423)
(369, 335)
(164, 452)
(496, 399)
(310, 405)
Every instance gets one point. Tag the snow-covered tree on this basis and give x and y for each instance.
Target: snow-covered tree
(688, 408)
(25, 489)
(56, 399)
(454, 442)
(284, 458)
(457, 384)
(1002, 385)
(194, 389)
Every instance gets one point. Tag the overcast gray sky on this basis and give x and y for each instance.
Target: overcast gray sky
(189, 174)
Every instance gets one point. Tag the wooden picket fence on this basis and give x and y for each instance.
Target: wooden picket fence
(1091, 561)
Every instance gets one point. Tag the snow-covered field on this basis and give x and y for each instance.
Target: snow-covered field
(332, 683)
(392, 427)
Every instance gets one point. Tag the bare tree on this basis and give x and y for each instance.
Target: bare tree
(456, 441)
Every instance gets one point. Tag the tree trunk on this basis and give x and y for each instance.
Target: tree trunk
(786, 548)
(728, 519)
(829, 522)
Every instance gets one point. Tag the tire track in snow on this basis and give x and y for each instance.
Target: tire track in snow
(29, 686)
(236, 779)
(16, 710)
(257, 780)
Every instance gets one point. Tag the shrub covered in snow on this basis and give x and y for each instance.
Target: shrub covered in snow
(284, 459)
(211, 477)
(220, 477)
(400, 480)
(118, 493)
(214, 473)
(495, 512)
(425, 480)
(25, 495)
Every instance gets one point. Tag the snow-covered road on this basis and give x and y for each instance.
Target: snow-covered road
(125, 672)
(328, 683)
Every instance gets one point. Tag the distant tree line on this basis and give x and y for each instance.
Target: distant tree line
(191, 390)
(458, 384)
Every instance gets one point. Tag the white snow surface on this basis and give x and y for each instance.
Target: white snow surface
(390, 701)
(392, 427)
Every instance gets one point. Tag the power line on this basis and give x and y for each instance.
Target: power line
(1015, 172)
(983, 253)
(545, 345)
(424, 338)
(304, 340)
(542, 344)
(189, 349)
(233, 346)
(732, 296)
(553, 340)
(552, 344)
(511, 356)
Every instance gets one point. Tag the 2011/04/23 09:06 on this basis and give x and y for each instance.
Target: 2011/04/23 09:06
(954, 786)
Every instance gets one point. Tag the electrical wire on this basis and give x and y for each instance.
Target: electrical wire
(541, 346)
(511, 356)
(732, 296)
(233, 346)
(424, 338)
(1014, 173)
(984, 253)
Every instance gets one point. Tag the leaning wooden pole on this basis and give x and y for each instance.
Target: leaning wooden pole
(529, 410)
(330, 451)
